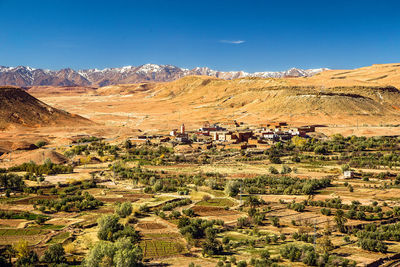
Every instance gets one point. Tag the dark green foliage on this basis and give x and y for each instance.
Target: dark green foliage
(304, 237)
(273, 170)
(284, 185)
(372, 245)
(320, 150)
(110, 229)
(122, 253)
(188, 212)
(11, 181)
(300, 207)
(274, 221)
(87, 139)
(179, 203)
(232, 188)
(389, 232)
(307, 255)
(5, 214)
(196, 228)
(54, 254)
(211, 246)
(71, 202)
(41, 143)
(47, 168)
(355, 210)
(326, 212)
(30, 260)
(124, 209)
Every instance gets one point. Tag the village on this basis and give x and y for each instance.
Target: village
(262, 191)
(225, 136)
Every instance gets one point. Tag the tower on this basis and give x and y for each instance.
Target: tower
(183, 128)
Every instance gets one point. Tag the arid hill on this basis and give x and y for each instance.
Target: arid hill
(375, 75)
(39, 91)
(18, 108)
(367, 95)
(353, 97)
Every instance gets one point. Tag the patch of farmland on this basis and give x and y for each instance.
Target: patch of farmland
(216, 202)
(32, 236)
(151, 226)
(281, 213)
(13, 223)
(30, 200)
(165, 235)
(61, 237)
(213, 211)
(161, 248)
(117, 199)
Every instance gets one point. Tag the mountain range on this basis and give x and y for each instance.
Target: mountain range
(26, 76)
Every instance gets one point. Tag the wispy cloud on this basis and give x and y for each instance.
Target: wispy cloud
(232, 41)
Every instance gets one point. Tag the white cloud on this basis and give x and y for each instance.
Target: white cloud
(232, 41)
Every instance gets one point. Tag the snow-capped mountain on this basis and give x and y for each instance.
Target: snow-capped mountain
(27, 76)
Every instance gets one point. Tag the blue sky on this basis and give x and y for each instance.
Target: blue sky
(223, 35)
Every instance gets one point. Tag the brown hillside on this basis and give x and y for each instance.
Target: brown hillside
(367, 95)
(375, 75)
(18, 108)
(39, 91)
(38, 156)
(278, 99)
(304, 100)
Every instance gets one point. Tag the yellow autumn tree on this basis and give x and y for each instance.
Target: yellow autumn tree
(299, 141)
(21, 247)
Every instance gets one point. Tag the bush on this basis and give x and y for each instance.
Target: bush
(320, 150)
(54, 254)
(47, 168)
(121, 253)
(41, 143)
(11, 181)
(232, 188)
(273, 170)
(108, 225)
(124, 209)
(275, 221)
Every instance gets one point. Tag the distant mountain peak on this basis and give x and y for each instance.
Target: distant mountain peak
(26, 76)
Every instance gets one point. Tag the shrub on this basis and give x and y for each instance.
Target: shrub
(121, 253)
(124, 209)
(41, 143)
(54, 254)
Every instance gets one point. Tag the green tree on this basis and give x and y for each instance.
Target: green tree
(252, 201)
(127, 254)
(108, 225)
(232, 188)
(274, 221)
(124, 209)
(273, 170)
(340, 220)
(211, 246)
(101, 254)
(54, 254)
(320, 150)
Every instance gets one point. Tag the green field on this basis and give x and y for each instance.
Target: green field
(21, 232)
(216, 202)
(59, 238)
(161, 248)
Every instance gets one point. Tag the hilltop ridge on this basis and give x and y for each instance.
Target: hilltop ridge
(18, 108)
